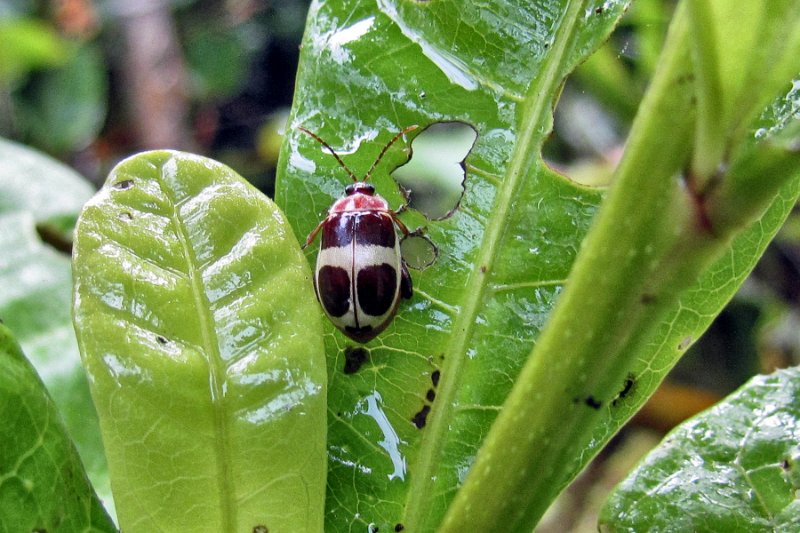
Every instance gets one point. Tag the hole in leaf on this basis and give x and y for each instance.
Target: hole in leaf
(354, 359)
(123, 185)
(125, 216)
(421, 418)
(260, 529)
(433, 179)
(418, 251)
(593, 403)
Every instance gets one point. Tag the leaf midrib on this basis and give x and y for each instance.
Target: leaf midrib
(216, 370)
(535, 108)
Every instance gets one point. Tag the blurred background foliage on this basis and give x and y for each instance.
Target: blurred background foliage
(93, 81)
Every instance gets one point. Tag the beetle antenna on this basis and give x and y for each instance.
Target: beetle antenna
(331, 150)
(385, 148)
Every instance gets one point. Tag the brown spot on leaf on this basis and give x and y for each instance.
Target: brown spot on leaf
(354, 359)
(421, 418)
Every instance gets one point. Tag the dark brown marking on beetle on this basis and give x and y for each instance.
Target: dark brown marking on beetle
(376, 286)
(161, 339)
(593, 403)
(333, 286)
(375, 229)
(362, 334)
(598, 11)
(354, 358)
(337, 231)
(430, 395)
(627, 388)
(406, 285)
(123, 185)
(399, 527)
(435, 375)
(483, 269)
(421, 418)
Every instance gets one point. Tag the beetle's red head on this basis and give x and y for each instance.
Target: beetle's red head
(359, 187)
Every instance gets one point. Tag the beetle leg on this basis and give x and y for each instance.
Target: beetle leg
(313, 234)
(399, 223)
(406, 287)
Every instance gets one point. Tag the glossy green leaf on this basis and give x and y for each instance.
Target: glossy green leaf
(36, 289)
(43, 486)
(732, 468)
(201, 335)
(408, 412)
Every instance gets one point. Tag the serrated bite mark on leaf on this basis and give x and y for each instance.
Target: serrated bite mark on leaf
(434, 178)
(627, 389)
(418, 251)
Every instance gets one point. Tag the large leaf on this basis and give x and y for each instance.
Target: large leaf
(36, 288)
(198, 327)
(405, 426)
(734, 467)
(43, 486)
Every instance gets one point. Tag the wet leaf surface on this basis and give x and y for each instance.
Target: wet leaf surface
(405, 427)
(43, 486)
(732, 468)
(201, 335)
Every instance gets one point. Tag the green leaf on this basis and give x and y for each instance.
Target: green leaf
(731, 468)
(201, 335)
(65, 108)
(43, 486)
(400, 439)
(26, 44)
(36, 289)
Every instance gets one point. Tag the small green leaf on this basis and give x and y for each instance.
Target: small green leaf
(43, 486)
(732, 468)
(202, 338)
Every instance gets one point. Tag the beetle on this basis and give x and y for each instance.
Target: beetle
(360, 275)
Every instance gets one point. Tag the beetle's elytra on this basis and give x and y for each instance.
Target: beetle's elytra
(360, 274)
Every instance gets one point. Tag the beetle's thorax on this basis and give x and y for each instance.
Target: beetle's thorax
(360, 196)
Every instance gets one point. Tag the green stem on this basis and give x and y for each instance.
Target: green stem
(535, 111)
(654, 236)
(547, 419)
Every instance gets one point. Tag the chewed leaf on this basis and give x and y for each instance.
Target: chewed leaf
(44, 486)
(433, 179)
(201, 335)
(734, 467)
(409, 410)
